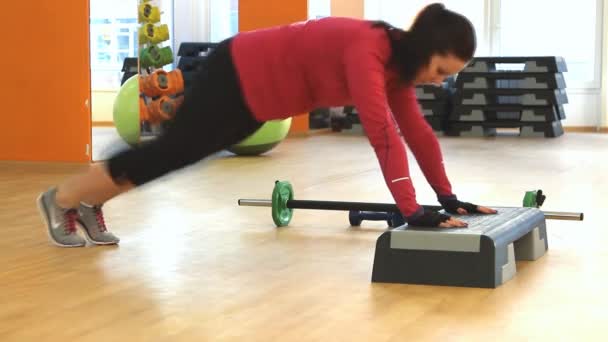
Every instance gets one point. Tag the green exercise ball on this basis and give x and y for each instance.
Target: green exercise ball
(126, 111)
(264, 139)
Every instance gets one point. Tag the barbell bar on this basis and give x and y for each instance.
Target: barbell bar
(283, 204)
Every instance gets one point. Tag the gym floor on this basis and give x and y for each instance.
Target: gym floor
(194, 266)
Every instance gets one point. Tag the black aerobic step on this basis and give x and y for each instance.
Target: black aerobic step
(468, 113)
(502, 80)
(195, 49)
(517, 64)
(522, 97)
(525, 129)
(437, 123)
(484, 254)
(435, 108)
(430, 92)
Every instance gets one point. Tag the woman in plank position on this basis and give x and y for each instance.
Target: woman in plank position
(272, 73)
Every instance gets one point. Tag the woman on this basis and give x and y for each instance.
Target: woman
(273, 73)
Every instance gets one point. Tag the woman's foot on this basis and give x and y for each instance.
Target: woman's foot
(94, 226)
(60, 222)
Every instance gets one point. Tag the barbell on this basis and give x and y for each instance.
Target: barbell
(283, 204)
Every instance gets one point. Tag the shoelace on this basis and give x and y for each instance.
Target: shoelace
(100, 220)
(70, 221)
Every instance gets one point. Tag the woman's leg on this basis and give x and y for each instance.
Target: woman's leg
(212, 117)
(94, 186)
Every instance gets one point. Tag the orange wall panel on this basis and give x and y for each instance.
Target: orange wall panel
(46, 81)
(255, 14)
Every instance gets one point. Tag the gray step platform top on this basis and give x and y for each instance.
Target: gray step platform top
(509, 224)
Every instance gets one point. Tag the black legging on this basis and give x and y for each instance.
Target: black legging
(212, 117)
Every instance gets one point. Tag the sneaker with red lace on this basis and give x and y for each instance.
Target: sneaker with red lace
(94, 227)
(60, 222)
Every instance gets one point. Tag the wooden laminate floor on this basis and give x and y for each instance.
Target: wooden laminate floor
(194, 266)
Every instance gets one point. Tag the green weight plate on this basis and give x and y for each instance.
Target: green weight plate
(530, 199)
(283, 192)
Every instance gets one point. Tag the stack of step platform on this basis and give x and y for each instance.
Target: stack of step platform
(129, 69)
(191, 58)
(436, 103)
(527, 96)
(345, 119)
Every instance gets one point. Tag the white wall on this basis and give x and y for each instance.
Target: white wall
(583, 109)
(604, 120)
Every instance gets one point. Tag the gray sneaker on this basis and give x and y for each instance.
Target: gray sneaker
(61, 223)
(94, 226)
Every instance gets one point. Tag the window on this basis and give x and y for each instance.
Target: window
(549, 28)
(111, 41)
(319, 9)
(223, 19)
(114, 30)
(570, 29)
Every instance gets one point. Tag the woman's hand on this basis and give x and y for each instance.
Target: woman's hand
(454, 206)
(453, 223)
(436, 219)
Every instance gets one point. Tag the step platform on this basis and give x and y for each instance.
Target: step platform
(482, 255)
(437, 123)
(521, 97)
(192, 56)
(130, 68)
(469, 113)
(553, 64)
(189, 65)
(431, 92)
(491, 129)
(435, 108)
(194, 49)
(509, 80)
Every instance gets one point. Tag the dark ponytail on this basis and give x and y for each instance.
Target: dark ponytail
(436, 30)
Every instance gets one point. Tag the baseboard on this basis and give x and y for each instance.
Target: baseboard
(585, 129)
(102, 124)
(316, 131)
(572, 129)
(290, 134)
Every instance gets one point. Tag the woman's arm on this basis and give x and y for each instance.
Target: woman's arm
(420, 138)
(424, 144)
(366, 83)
